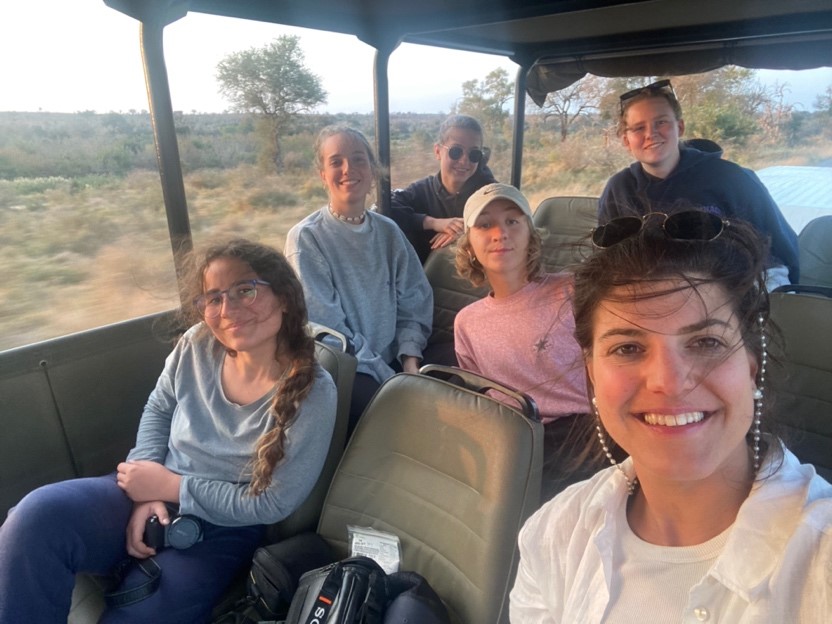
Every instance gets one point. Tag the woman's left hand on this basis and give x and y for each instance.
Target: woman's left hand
(410, 364)
(144, 480)
(442, 240)
(136, 526)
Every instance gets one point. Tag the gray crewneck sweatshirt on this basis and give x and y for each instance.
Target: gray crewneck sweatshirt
(194, 430)
(366, 282)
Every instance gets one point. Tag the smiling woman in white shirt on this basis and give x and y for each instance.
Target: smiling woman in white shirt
(710, 518)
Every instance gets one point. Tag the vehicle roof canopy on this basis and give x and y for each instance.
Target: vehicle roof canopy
(560, 41)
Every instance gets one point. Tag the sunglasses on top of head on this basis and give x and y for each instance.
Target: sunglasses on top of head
(660, 86)
(456, 152)
(687, 225)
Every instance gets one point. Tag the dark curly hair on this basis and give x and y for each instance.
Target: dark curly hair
(735, 260)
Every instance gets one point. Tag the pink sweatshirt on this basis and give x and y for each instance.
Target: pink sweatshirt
(526, 341)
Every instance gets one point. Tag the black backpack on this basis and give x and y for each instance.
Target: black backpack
(276, 570)
(295, 582)
(352, 591)
(357, 591)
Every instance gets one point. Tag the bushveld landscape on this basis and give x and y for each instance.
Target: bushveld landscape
(82, 220)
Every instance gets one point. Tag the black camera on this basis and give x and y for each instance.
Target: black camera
(182, 532)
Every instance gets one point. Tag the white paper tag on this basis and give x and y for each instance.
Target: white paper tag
(382, 547)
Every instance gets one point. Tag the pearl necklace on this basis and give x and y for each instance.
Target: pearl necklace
(346, 219)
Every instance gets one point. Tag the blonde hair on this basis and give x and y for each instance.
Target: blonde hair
(468, 267)
(335, 129)
(669, 96)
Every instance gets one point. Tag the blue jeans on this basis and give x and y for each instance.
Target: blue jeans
(79, 525)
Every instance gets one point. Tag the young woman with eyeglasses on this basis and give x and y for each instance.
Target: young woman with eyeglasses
(234, 435)
(668, 174)
(710, 518)
(360, 275)
(429, 211)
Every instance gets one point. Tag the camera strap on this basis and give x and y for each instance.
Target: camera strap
(125, 597)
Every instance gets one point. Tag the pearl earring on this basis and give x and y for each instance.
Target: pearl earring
(759, 393)
(631, 483)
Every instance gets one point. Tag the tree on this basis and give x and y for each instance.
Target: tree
(823, 102)
(727, 104)
(274, 82)
(777, 114)
(581, 98)
(487, 100)
(722, 105)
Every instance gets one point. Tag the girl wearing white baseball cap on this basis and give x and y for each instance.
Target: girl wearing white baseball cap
(522, 333)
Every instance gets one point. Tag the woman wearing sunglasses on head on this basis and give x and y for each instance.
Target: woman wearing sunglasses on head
(232, 438)
(710, 518)
(668, 174)
(429, 211)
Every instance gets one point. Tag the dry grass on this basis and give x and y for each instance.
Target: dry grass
(76, 258)
(79, 253)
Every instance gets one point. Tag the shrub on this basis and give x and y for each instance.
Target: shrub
(312, 189)
(272, 199)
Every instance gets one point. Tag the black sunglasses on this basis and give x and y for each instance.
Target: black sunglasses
(655, 87)
(687, 225)
(474, 154)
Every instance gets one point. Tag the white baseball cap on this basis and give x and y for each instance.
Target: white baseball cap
(490, 193)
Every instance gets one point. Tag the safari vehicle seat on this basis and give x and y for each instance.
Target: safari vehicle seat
(451, 293)
(70, 407)
(568, 220)
(340, 362)
(451, 471)
(803, 396)
(814, 245)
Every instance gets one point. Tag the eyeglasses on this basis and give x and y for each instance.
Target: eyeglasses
(653, 88)
(243, 293)
(687, 225)
(455, 152)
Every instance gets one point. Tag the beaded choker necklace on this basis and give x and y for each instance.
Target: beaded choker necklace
(346, 219)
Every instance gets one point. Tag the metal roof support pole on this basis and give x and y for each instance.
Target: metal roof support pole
(164, 134)
(381, 89)
(519, 125)
(153, 16)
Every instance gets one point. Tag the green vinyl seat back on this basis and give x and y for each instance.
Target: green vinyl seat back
(567, 221)
(454, 474)
(802, 386)
(814, 244)
(336, 355)
(451, 293)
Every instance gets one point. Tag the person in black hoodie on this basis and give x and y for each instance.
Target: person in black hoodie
(669, 176)
(429, 211)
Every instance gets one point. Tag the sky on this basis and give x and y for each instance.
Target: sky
(77, 55)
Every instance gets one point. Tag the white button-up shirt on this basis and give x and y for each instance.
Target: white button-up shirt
(776, 566)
